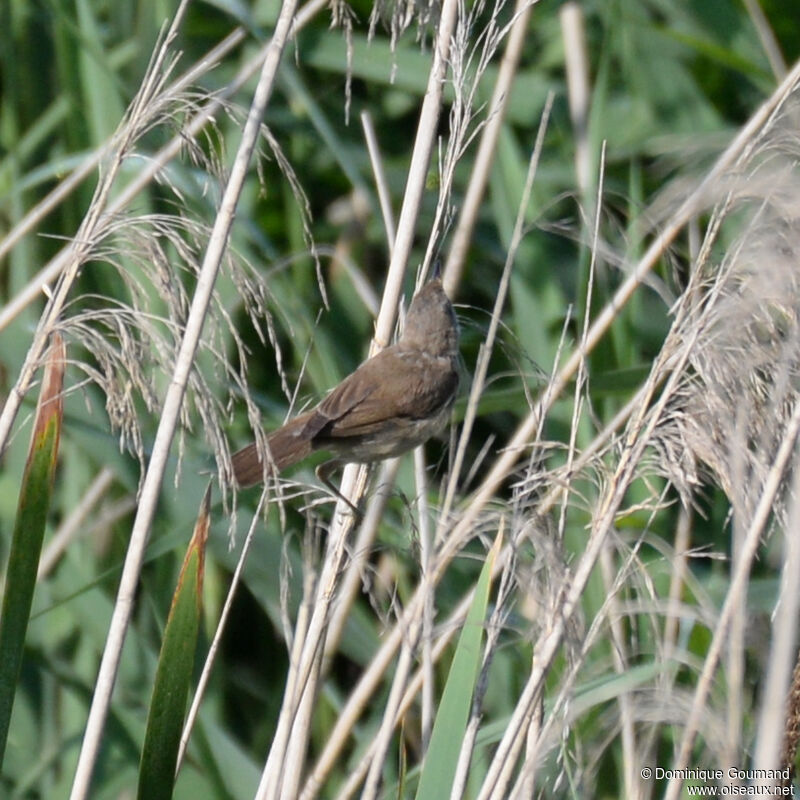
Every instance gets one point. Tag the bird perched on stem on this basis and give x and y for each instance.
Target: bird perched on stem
(392, 403)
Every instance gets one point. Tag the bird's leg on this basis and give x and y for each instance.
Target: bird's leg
(324, 472)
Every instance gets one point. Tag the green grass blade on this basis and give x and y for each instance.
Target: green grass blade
(174, 671)
(26, 544)
(450, 725)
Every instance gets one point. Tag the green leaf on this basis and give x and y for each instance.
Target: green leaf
(450, 725)
(174, 671)
(26, 543)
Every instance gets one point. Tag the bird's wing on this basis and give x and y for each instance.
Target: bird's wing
(395, 383)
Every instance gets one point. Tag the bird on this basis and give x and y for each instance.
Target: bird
(391, 403)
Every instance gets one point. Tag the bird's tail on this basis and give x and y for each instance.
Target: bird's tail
(287, 445)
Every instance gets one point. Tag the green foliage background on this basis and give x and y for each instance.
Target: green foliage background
(671, 84)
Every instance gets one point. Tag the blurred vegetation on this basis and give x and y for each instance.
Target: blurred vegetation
(672, 81)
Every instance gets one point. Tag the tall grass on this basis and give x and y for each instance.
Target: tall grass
(613, 189)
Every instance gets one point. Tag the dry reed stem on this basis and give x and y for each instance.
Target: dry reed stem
(767, 37)
(484, 157)
(578, 93)
(72, 526)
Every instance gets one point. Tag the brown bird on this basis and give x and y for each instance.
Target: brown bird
(393, 402)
